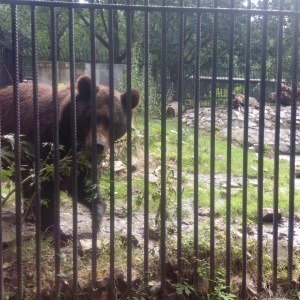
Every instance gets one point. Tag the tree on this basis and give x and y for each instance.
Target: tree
(119, 23)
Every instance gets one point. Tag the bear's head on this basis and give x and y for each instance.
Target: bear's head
(104, 118)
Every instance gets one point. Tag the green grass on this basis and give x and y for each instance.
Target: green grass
(204, 167)
(204, 192)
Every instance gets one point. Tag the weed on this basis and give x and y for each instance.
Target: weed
(183, 288)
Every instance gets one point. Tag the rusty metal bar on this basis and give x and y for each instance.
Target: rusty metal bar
(129, 150)
(17, 149)
(245, 154)
(196, 141)
(36, 151)
(74, 148)
(163, 151)
(261, 136)
(94, 145)
(146, 145)
(276, 149)
(111, 156)
(56, 152)
(229, 152)
(1, 213)
(294, 79)
(212, 146)
(179, 142)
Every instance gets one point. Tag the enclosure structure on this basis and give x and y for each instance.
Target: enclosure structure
(174, 226)
(6, 67)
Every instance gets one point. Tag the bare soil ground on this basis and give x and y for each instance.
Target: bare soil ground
(84, 235)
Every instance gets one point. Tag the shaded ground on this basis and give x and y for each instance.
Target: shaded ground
(120, 224)
(84, 231)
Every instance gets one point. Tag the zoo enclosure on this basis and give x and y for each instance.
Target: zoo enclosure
(234, 15)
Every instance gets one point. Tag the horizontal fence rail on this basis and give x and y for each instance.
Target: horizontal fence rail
(183, 183)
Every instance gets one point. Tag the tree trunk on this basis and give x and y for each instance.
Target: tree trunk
(172, 109)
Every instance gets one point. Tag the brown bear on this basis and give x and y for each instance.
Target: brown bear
(84, 135)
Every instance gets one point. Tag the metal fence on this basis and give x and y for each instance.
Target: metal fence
(155, 244)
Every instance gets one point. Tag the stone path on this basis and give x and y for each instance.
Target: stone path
(253, 125)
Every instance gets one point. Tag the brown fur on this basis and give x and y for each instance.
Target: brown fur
(84, 131)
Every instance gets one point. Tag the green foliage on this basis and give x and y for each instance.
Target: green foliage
(219, 285)
(119, 24)
(238, 89)
(185, 289)
(138, 81)
(46, 166)
(61, 85)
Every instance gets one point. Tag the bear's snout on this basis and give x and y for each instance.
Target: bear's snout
(100, 147)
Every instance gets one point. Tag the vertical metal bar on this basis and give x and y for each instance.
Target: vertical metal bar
(17, 150)
(129, 152)
(1, 227)
(56, 150)
(74, 147)
(196, 140)
(94, 145)
(292, 140)
(229, 154)
(245, 153)
(260, 188)
(212, 146)
(112, 155)
(36, 151)
(179, 143)
(163, 150)
(146, 147)
(276, 147)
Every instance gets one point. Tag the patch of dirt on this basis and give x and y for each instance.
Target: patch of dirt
(120, 225)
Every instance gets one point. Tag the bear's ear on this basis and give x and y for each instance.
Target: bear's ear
(135, 98)
(84, 86)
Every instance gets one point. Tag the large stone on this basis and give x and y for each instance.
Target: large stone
(154, 290)
(268, 214)
(221, 114)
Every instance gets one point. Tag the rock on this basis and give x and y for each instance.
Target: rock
(253, 181)
(134, 163)
(104, 296)
(275, 299)
(221, 114)
(238, 100)
(202, 211)
(297, 184)
(103, 282)
(85, 245)
(154, 233)
(251, 292)
(284, 149)
(134, 240)
(119, 167)
(268, 215)
(152, 178)
(154, 290)
(297, 217)
(172, 109)
(175, 296)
